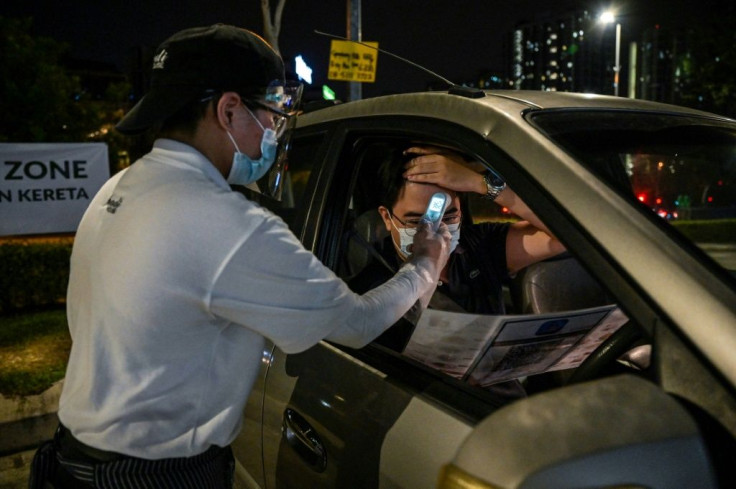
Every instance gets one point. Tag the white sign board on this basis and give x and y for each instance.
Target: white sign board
(46, 187)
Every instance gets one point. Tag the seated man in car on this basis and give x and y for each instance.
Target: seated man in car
(483, 255)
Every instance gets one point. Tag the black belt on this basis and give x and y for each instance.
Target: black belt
(79, 451)
(69, 463)
(75, 449)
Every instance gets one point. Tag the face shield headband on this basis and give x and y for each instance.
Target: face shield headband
(281, 100)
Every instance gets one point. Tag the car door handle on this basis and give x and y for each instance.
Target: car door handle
(300, 436)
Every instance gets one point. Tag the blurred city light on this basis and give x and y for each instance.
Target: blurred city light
(328, 93)
(607, 17)
(303, 71)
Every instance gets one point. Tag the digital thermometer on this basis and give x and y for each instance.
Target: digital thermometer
(436, 209)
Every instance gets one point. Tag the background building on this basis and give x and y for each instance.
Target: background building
(684, 63)
(556, 55)
(568, 52)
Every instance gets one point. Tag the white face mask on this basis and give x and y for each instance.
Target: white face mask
(454, 235)
(406, 237)
(245, 169)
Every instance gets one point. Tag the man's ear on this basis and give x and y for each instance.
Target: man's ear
(229, 101)
(386, 216)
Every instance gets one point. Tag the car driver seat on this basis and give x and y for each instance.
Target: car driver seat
(365, 238)
(556, 284)
(562, 284)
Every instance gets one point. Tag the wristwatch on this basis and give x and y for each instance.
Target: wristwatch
(494, 185)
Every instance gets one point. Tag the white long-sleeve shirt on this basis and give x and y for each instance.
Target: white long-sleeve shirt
(175, 282)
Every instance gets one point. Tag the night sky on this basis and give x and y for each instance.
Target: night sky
(459, 39)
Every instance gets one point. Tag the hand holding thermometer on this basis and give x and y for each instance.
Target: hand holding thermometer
(436, 210)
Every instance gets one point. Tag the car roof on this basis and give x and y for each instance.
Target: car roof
(568, 100)
(481, 113)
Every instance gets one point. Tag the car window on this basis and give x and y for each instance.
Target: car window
(680, 168)
(297, 168)
(490, 329)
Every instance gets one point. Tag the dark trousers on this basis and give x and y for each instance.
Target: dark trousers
(66, 463)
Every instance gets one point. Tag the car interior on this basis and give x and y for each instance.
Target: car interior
(558, 284)
(555, 285)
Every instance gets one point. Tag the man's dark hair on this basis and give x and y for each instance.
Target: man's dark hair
(391, 176)
(187, 118)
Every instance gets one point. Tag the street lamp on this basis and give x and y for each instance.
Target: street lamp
(608, 17)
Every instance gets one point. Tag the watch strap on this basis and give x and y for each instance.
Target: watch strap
(494, 185)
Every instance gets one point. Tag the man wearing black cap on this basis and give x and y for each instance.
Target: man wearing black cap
(176, 280)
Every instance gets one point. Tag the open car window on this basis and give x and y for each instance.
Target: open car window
(551, 315)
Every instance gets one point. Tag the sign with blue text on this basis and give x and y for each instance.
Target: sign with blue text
(46, 187)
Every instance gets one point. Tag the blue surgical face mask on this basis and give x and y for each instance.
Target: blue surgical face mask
(245, 169)
(406, 238)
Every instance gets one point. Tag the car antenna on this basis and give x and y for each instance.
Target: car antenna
(454, 88)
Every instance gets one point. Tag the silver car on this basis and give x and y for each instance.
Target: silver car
(643, 196)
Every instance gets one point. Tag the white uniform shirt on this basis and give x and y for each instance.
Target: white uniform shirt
(175, 280)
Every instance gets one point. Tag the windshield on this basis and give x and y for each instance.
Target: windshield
(682, 168)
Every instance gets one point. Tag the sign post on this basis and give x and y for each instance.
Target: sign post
(355, 33)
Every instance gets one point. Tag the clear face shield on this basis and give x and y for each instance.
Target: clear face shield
(282, 100)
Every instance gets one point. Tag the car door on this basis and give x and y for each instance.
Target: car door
(336, 417)
(676, 429)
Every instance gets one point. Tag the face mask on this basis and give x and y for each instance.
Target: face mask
(454, 235)
(245, 169)
(406, 237)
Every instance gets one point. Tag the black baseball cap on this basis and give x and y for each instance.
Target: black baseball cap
(219, 57)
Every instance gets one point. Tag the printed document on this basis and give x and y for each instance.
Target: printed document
(486, 349)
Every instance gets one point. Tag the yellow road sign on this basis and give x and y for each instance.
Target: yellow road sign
(353, 62)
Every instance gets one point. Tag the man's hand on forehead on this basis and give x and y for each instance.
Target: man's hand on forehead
(444, 169)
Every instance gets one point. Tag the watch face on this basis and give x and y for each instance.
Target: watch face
(495, 180)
